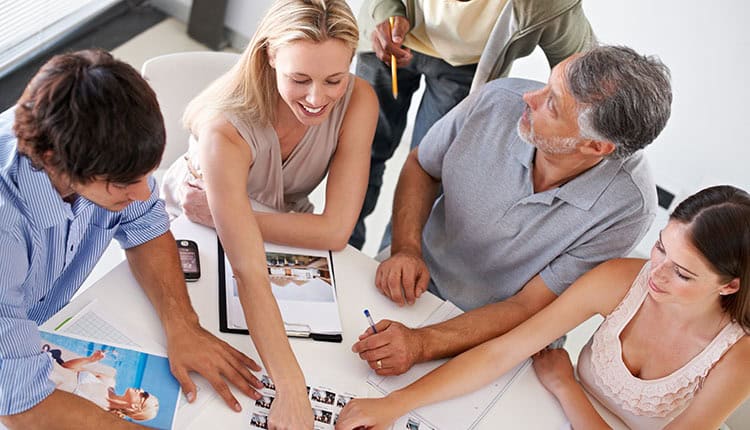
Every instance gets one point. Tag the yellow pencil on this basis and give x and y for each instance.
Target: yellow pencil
(394, 68)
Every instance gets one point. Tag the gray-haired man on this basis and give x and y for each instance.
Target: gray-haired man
(540, 184)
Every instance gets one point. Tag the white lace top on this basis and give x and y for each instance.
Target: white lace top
(644, 404)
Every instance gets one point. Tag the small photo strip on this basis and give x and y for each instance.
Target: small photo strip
(266, 381)
(321, 395)
(259, 421)
(321, 416)
(413, 423)
(342, 400)
(264, 402)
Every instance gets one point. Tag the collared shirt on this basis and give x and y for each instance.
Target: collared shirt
(48, 249)
(489, 233)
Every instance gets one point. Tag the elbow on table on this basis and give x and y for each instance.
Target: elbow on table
(334, 233)
(337, 242)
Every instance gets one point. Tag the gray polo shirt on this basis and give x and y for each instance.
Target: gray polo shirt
(488, 234)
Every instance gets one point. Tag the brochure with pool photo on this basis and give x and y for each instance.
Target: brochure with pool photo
(303, 284)
(133, 385)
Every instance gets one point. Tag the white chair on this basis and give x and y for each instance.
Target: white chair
(176, 79)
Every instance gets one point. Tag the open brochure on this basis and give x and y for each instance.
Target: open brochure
(133, 385)
(93, 322)
(303, 284)
(442, 416)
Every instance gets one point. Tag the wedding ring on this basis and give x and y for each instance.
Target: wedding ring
(379, 364)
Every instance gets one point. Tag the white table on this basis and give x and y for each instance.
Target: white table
(526, 404)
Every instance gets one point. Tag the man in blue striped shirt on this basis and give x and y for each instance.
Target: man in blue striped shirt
(75, 158)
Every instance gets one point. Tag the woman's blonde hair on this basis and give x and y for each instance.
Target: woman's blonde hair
(248, 89)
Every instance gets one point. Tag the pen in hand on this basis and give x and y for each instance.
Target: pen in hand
(369, 320)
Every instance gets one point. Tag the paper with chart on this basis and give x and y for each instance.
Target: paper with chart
(444, 415)
(93, 323)
(326, 403)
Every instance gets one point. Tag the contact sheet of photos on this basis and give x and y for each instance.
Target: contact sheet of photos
(326, 405)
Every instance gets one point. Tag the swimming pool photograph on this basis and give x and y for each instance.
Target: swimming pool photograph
(134, 385)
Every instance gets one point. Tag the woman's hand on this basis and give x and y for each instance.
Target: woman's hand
(195, 203)
(554, 370)
(372, 414)
(291, 410)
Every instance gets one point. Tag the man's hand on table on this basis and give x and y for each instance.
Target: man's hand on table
(194, 349)
(403, 276)
(393, 350)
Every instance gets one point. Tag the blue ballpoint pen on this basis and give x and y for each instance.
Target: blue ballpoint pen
(369, 319)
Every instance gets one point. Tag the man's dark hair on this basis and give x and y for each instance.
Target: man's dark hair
(95, 115)
(625, 97)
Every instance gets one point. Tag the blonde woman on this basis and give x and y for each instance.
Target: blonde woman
(288, 112)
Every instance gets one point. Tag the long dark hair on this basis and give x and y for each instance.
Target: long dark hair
(719, 224)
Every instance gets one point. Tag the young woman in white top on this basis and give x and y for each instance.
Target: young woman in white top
(671, 353)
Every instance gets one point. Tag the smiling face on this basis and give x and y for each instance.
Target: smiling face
(311, 77)
(550, 120)
(680, 273)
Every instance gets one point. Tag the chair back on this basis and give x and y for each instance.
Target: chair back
(176, 79)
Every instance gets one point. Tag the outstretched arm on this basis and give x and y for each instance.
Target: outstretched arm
(225, 165)
(76, 364)
(482, 364)
(405, 347)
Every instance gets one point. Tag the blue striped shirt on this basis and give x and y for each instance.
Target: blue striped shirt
(47, 248)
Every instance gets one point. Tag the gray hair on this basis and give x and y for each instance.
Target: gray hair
(624, 97)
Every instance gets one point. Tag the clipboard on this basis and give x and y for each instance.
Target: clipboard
(310, 291)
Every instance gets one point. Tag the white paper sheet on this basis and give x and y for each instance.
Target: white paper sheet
(443, 415)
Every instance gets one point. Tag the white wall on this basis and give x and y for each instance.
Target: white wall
(706, 140)
(243, 15)
(704, 44)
